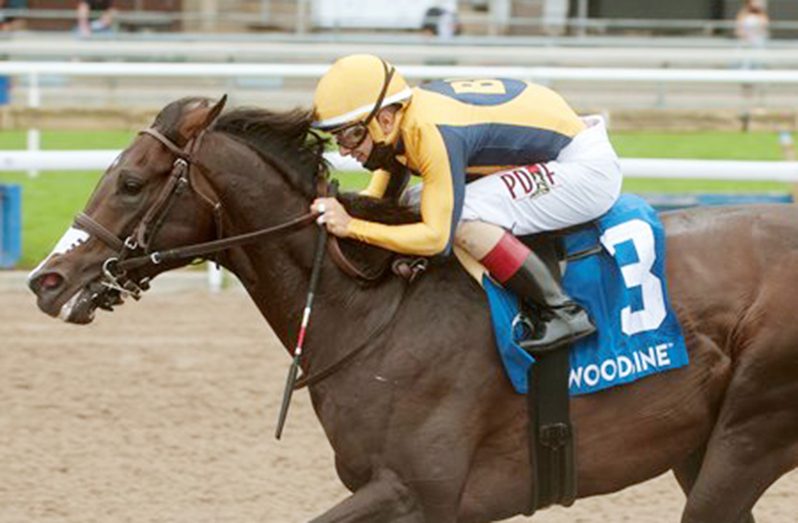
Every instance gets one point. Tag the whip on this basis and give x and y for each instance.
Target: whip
(314, 280)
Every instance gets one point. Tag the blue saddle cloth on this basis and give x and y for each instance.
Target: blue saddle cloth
(624, 289)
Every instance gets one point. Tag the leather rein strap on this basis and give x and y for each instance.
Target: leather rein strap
(337, 255)
(340, 259)
(201, 249)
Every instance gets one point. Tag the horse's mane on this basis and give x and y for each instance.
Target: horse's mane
(288, 137)
(384, 210)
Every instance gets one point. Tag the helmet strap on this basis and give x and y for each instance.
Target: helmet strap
(382, 155)
(386, 83)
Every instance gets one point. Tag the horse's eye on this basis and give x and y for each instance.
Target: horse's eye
(132, 187)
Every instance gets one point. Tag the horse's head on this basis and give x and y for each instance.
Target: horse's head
(153, 196)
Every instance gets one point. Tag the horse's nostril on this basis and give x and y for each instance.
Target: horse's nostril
(49, 281)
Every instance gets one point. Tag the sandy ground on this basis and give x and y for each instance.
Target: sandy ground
(165, 411)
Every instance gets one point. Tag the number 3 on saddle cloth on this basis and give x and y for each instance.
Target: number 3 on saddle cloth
(623, 287)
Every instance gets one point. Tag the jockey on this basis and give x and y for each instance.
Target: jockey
(541, 168)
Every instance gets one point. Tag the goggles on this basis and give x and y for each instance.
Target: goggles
(352, 135)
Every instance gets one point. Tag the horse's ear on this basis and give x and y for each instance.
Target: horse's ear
(201, 118)
(215, 111)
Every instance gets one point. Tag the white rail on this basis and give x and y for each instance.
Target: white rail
(632, 167)
(533, 53)
(35, 70)
(585, 74)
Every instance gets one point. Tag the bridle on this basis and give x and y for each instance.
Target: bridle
(133, 252)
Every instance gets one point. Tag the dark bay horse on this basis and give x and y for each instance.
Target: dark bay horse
(424, 425)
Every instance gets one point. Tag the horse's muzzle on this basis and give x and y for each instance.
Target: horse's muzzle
(76, 305)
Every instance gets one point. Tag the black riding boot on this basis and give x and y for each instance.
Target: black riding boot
(562, 319)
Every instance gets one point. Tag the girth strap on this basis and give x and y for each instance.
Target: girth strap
(551, 433)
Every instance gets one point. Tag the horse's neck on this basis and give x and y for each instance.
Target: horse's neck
(276, 271)
(278, 280)
(276, 275)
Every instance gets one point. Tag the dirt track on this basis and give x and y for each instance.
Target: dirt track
(165, 410)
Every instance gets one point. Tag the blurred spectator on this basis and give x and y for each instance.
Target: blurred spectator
(787, 146)
(752, 30)
(88, 19)
(12, 23)
(441, 21)
(752, 23)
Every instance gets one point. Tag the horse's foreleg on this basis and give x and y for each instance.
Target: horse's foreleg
(384, 499)
(734, 475)
(752, 443)
(687, 473)
(754, 439)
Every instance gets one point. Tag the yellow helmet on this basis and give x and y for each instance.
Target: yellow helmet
(355, 89)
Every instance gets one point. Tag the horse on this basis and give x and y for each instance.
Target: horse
(424, 425)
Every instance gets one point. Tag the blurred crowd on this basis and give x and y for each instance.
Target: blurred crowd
(92, 16)
(12, 23)
(95, 16)
(752, 24)
(441, 18)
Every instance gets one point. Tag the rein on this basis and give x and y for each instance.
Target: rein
(340, 259)
(215, 246)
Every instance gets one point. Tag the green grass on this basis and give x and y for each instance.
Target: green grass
(51, 200)
(79, 140)
(703, 145)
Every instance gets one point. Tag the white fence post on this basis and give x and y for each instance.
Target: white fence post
(215, 277)
(34, 102)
